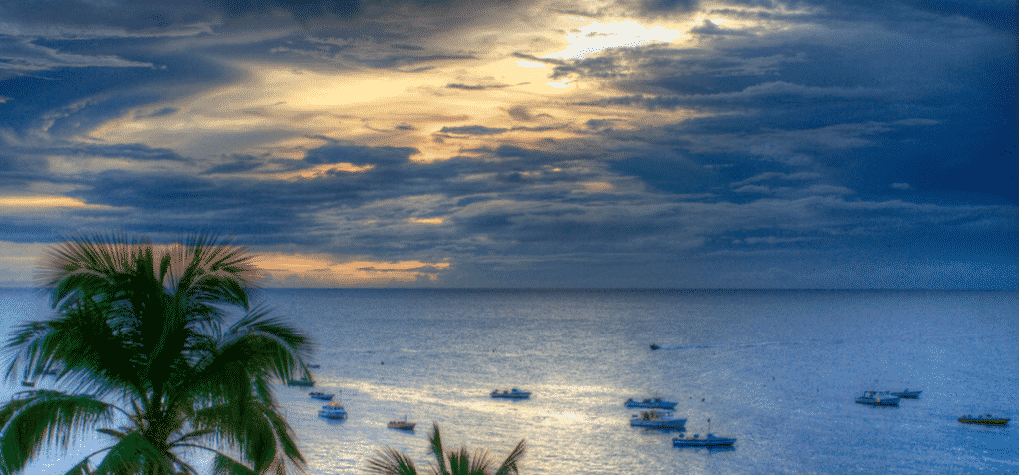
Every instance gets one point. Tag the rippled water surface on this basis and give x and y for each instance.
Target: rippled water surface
(777, 370)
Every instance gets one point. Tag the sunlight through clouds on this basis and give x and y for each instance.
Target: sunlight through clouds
(318, 270)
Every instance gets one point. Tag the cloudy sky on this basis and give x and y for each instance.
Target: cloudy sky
(530, 143)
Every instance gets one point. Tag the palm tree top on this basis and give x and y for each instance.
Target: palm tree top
(453, 462)
(148, 356)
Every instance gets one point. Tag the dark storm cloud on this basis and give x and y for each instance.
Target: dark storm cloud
(358, 155)
(864, 129)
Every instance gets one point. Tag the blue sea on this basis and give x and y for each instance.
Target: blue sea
(776, 369)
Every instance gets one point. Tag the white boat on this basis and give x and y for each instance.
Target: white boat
(711, 440)
(652, 403)
(657, 419)
(333, 410)
(321, 395)
(511, 394)
(875, 398)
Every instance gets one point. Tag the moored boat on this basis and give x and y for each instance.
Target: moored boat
(511, 394)
(983, 419)
(711, 440)
(402, 425)
(333, 410)
(653, 403)
(875, 398)
(321, 395)
(657, 419)
(304, 382)
(655, 346)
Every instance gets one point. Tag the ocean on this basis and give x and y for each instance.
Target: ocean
(778, 370)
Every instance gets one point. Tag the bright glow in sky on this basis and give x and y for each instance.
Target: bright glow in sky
(529, 143)
(596, 36)
(39, 202)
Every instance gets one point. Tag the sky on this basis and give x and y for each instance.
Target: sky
(523, 144)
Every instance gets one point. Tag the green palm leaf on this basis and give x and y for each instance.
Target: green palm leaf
(141, 325)
(454, 462)
(40, 418)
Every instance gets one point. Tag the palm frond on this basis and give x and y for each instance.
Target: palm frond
(93, 353)
(46, 417)
(223, 465)
(509, 466)
(435, 441)
(80, 469)
(133, 454)
(391, 462)
(263, 436)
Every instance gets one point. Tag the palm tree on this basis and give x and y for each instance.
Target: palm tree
(145, 356)
(455, 462)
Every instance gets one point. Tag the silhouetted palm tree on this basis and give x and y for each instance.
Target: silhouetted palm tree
(144, 355)
(455, 462)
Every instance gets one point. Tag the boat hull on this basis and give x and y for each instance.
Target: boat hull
(908, 394)
(514, 394)
(659, 424)
(880, 402)
(332, 414)
(965, 420)
(712, 442)
(651, 405)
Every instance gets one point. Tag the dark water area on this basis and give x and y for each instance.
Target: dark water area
(776, 369)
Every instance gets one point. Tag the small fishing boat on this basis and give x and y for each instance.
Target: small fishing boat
(321, 395)
(314, 365)
(511, 394)
(333, 410)
(654, 346)
(657, 419)
(710, 441)
(983, 419)
(875, 398)
(653, 403)
(28, 384)
(402, 425)
(304, 382)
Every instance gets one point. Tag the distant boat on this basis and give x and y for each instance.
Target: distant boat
(710, 441)
(333, 410)
(511, 394)
(305, 382)
(654, 346)
(28, 384)
(875, 398)
(402, 425)
(696, 441)
(657, 419)
(653, 403)
(321, 395)
(314, 365)
(906, 393)
(983, 419)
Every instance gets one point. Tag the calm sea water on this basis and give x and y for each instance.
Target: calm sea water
(777, 370)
